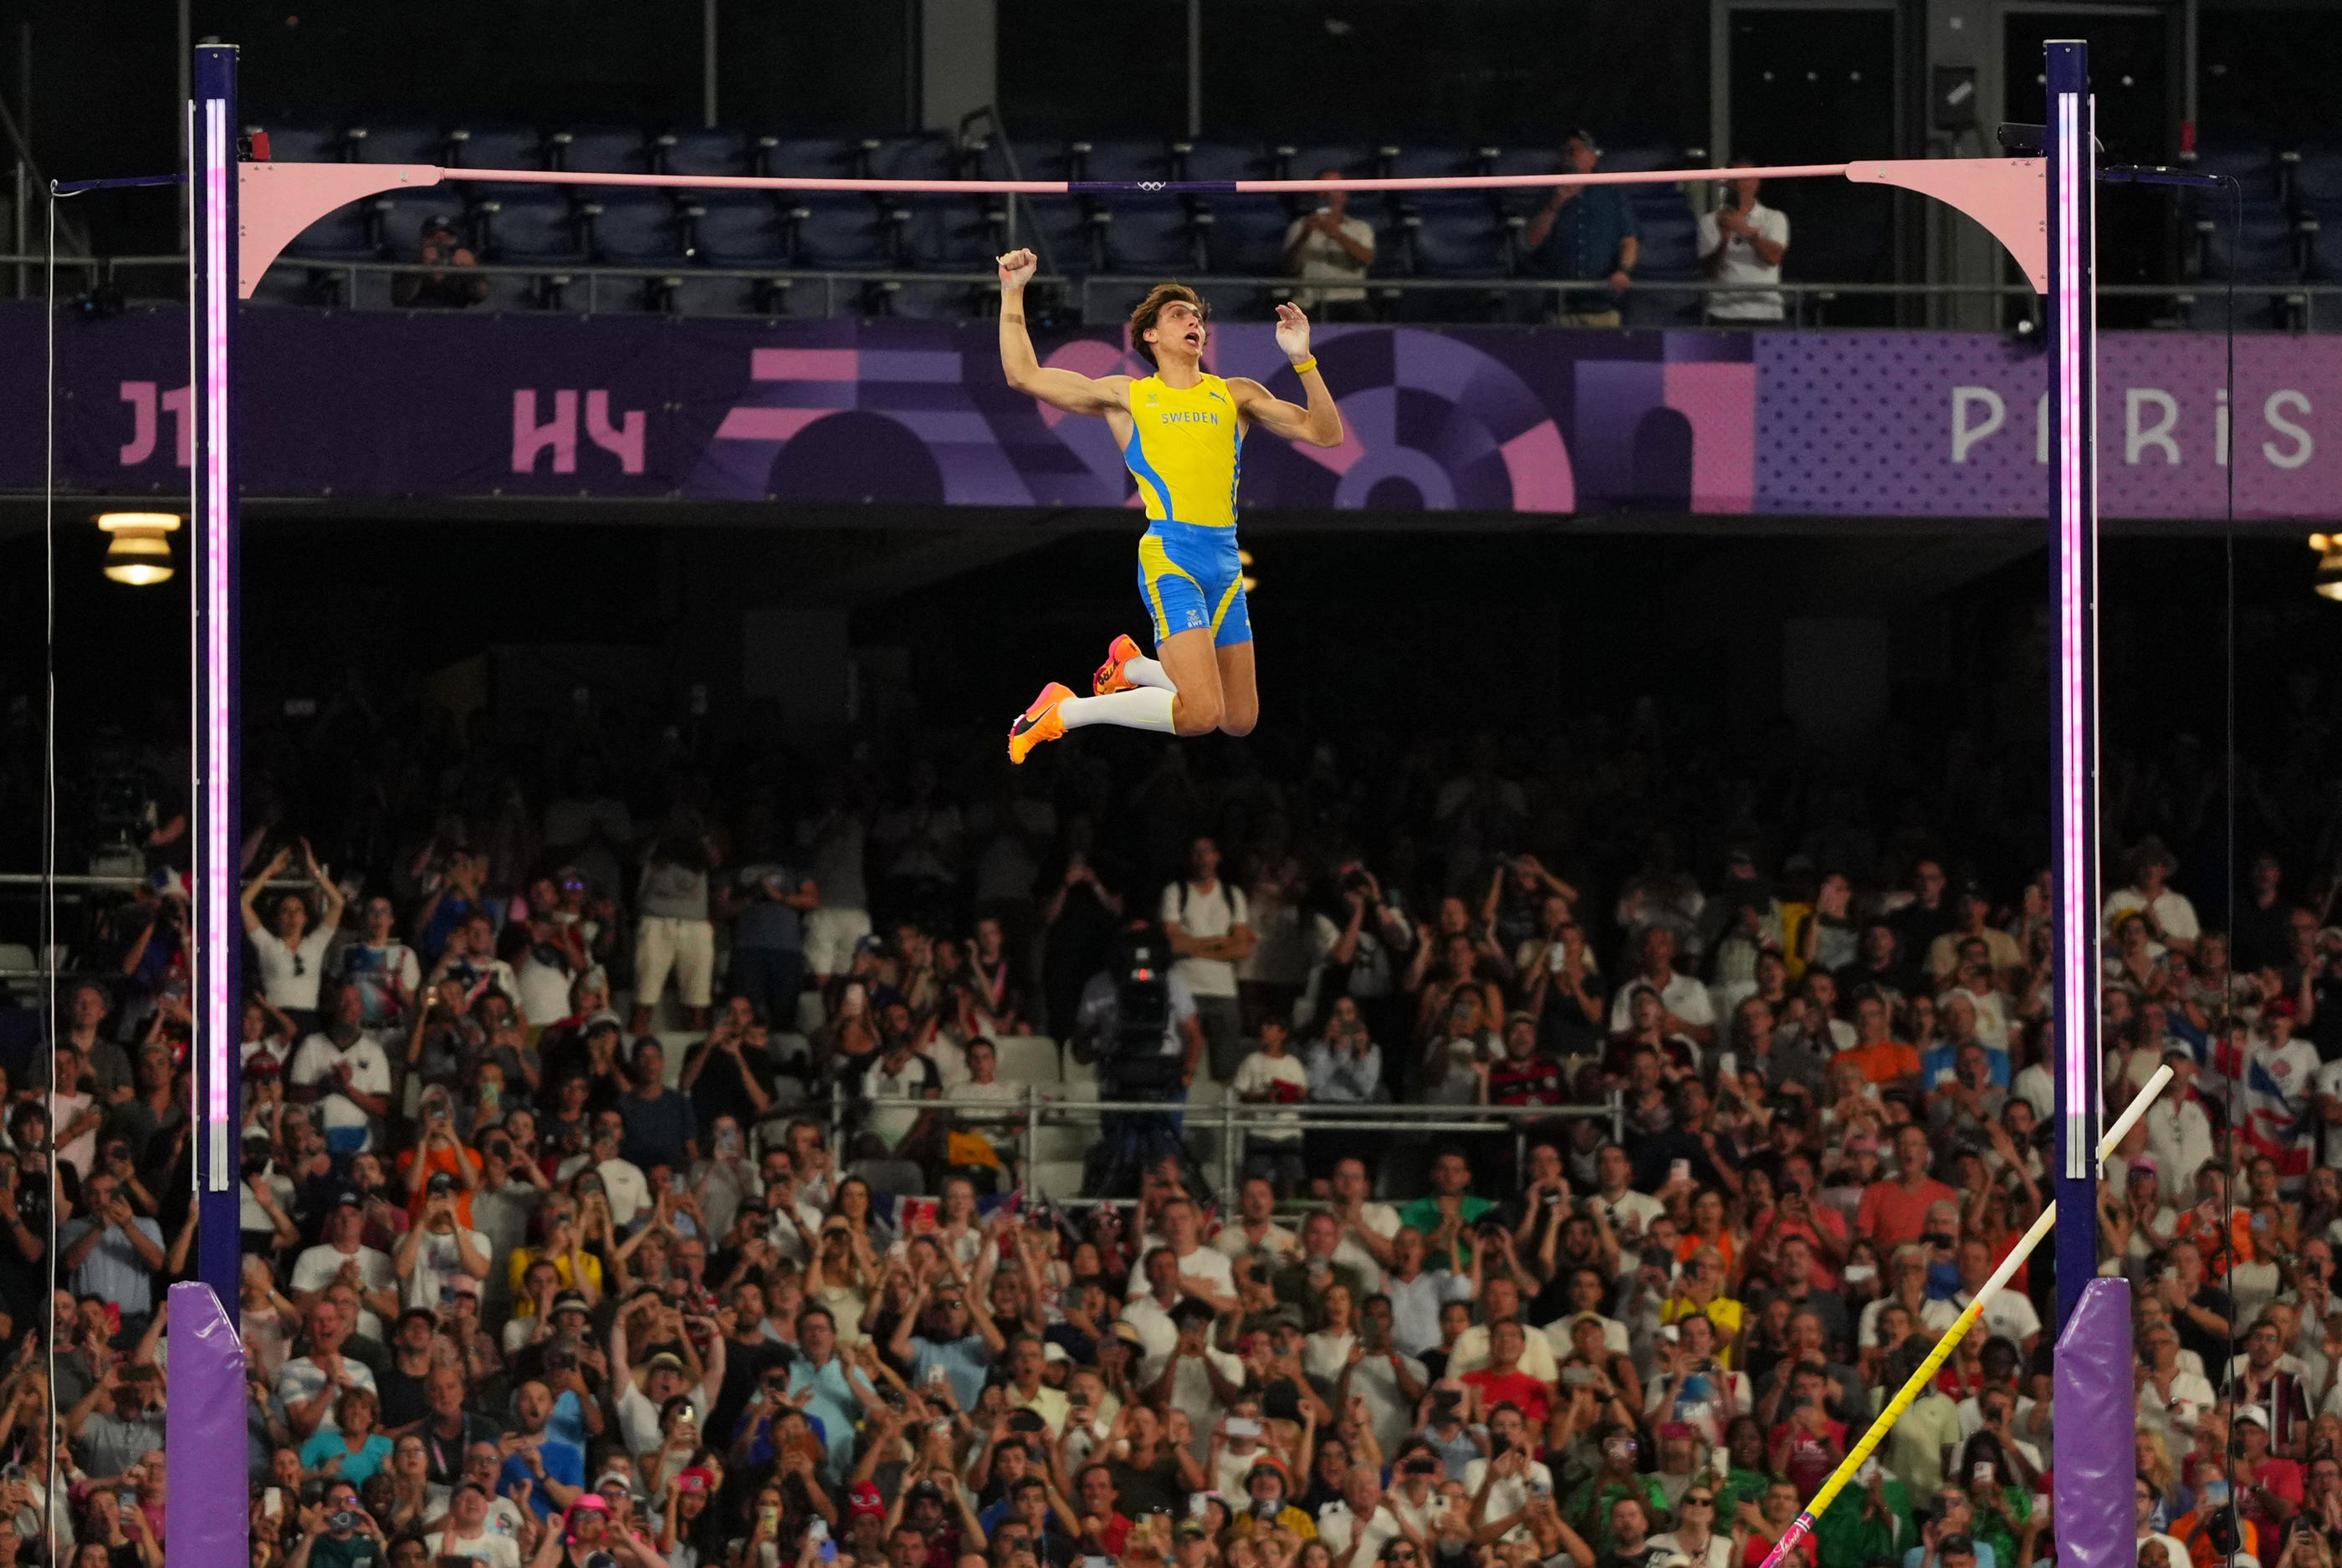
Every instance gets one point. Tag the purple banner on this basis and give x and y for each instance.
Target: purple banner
(1489, 420)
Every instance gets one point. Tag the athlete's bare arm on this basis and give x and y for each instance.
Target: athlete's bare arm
(1066, 389)
(1320, 423)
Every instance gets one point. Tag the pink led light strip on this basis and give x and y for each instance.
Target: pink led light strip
(217, 887)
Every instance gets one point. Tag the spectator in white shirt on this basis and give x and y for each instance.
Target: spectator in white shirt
(344, 1070)
(2170, 917)
(1689, 1010)
(1273, 1076)
(290, 955)
(1329, 247)
(1742, 242)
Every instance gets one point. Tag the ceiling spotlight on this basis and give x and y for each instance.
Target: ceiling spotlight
(140, 554)
(2328, 581)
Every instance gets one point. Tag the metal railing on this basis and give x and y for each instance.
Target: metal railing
(1804, 305)
(1041, 1106)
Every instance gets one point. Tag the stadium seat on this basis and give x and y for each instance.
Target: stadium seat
(631, 226)
(1454, 235)
(2263, 250)
(1063, 1143)
(2252, 164)
(896, 1178)
(1525, 161)
(1633, 153)
(700, 151)
(303, 143)
(1026, 1058)
(2318, 177)
(2266, 250)
(1073, 237)
(1430, 162)
(1201, 160)
(1124, 160)
(1247, 236)
(495, 148)
(1143, 235)
(1035, 160)
(911, 158)
(1669, 240)
(399, 217)
(536, 228)
(840, 230)
(345, 234)
(598, 150)
(393, 143)
(811, 158)
(2321, 223)
(1056, 1178)
(954, 234)
(1298, 162)
(739, 229)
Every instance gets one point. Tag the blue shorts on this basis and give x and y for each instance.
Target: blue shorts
(1190, 577)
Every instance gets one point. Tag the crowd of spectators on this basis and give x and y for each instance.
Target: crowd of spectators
(554, 1248)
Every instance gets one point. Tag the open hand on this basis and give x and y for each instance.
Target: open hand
(1291, 332)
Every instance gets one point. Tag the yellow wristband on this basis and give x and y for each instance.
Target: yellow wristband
(1305, 366)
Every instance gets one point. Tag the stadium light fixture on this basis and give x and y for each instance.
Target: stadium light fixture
(140, 553)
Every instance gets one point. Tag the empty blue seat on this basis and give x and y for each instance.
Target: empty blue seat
(1035, 160)
(912, 159)
(2263, 251)
(1300, 163)
(702, 152)
(2317, 178)
(1124, 160)
(343, 234)
(2252, 164)
(1634, 153)
(1148, 235)
(1526, 161)
(403, 215)
(539, 227)
(495, 148)
(840, 230)
(954, 234)
(1670, 254)
(2325, 240)
(1246, 236)
(1073, 238)
(1456, 234)
(303, 143)
(1201, 160)
(740, 229)
(632, 226)
(598, 150)
(395, 143)
(814, 157)
(1431, 162)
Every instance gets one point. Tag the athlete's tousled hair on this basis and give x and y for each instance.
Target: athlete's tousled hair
(1149, 308)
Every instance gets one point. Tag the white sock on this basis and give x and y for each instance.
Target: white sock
(1145, 708)
(1141, 671)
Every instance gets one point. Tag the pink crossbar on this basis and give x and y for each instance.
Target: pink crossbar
(1092, 187)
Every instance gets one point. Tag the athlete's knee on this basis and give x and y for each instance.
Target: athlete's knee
(1196, 712)
(1240, 721)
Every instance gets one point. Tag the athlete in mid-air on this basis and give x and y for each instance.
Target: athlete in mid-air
(1181, 432)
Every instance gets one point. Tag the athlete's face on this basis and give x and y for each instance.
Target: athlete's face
(1178, 330)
